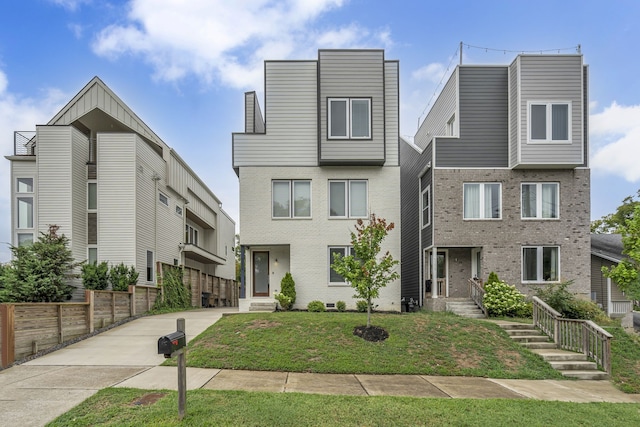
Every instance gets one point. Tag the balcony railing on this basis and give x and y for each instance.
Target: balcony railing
(24, 143)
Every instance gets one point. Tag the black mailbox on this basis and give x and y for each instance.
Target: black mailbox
(171, 343)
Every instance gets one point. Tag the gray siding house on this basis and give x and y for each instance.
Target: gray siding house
(606, 251)
(323, 155)
(117, 191)
(497, 180)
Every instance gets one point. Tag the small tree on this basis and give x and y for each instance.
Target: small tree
(118, 277)
(95, 276)
(627, 273)
(367, 273)
(288, 287)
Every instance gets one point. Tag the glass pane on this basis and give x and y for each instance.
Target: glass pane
(550, 200)
(25, 185)
(92, 197)
(92, 255)
(337, 196)
(261, 272)
(528, 200)
(338, 119)
(25, 212)
(149, 266)
(302, 199)
(491, 200)
(360, 118)
(442, 257)
(358, 198)
(25, 239)
(471, 201)
(425, 208)
(538, 122)
(550, 264)
(560, 122)
(530, 264)
(280, 199)
(333, 276)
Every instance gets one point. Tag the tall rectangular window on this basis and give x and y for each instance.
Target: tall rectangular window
(482, 200)
(92, 255)
(426, 206)
(92, 196)
(540, 264)
(191, 235)
(348, 198)
(334, 277)
(349, 118)
(550, 121)
(283, 192)
(540, 200)
(25, 212)
(150, 266)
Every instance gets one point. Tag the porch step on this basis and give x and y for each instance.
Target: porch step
(466, 308)
(263, 306)
(568, 363)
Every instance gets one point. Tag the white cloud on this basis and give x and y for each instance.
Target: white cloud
(227, 41)
(433, 73)
(615, 141)
(70, 4)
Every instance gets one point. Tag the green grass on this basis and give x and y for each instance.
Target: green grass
(115, 407)
(418, 343)
(625, 360)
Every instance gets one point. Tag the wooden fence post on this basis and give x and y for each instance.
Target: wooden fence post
(89, 297)
(7, 332)
(132, 300)
(60, 331)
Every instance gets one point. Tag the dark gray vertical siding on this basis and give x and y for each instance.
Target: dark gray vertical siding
(514, 124)
(483, 121)
(411, 164)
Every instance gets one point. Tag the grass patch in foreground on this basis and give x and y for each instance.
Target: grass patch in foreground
(625, 360)
(418, 343)
(114, 407)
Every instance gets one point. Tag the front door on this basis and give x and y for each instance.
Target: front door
(442, 268)
(260, 274)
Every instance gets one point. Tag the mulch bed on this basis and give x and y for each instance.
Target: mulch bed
(371, 333)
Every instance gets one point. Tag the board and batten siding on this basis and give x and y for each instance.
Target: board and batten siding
(445, 106)
(55, 178)
(514, 116)
(291, 137)
(79, 158)
(352, 74)
(392, 114)
(482, 121)
(552, 78)
(117, 198)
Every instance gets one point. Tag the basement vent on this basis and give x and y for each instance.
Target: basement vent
(330, 305)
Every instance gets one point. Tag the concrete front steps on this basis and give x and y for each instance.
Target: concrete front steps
(464, 308)
(570, 364)
(262, 306)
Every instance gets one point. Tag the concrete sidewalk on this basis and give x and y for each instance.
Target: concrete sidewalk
(40, 390)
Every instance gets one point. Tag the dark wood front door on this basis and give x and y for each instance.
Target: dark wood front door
(261, 274)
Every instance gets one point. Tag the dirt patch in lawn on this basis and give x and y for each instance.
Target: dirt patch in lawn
(148, 399)
(263, 324)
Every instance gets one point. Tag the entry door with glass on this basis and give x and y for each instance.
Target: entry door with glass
(261, 274)
(441, 270)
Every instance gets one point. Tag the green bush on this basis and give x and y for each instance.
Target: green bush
(568, 305)
(493, 278)
(316, 306)
(283, 300)
(95, 276)
(361, 306)
(121, 276)
(525, 312)
(502, 299)
(341, 306)
(288, 287)
(174, 293)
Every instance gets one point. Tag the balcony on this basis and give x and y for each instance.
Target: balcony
(203, 256)
(24, 143)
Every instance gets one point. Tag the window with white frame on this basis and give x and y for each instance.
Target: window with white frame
(540, 264)
(335, 278)
(540, 200)
(283, 192)
(426, 206)
(24, 185)
(92, 196)
(150, 263)
(451, 126)
(163, 198)
(349, 118)
(482, 200)
(92, 255)
(348, 198)
(549, 121)
(25, 239)
(178, 210)
(191, 235)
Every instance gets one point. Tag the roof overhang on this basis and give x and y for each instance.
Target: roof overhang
(200, 255)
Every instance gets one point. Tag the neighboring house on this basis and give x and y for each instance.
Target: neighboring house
(324, 156)
(606, 251)
(497, 179)
(117, 191)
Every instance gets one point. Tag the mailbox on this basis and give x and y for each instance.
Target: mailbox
(171, 343)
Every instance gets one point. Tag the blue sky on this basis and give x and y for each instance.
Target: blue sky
(183, 66)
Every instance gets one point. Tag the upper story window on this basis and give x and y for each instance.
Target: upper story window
(451, 126)
(163, 198)
(349, 118)
(348, 198)
(540, 263)
(178, 210)
(92, 196)
(24, 185)
(482, 200)
(541, 200)
(24, 203)
(291, 199)
(550, 121)
(191, 235)
(426, 206)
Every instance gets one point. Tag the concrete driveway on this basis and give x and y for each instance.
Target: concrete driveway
(40, 390)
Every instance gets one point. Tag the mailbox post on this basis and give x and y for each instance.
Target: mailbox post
(175, 344)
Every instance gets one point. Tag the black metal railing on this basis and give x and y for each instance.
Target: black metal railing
(24, 143)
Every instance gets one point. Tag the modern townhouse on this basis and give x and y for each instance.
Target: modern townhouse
(497, 179)
(117, 191)
(324, 155)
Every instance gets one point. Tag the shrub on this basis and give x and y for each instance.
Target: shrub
(525, 312)
(589, 310)
(362, 306)
(568, 305)
(118, 277)
(283, 300)
(316, 306)
(95, 276)
(288, 288)
(174, 293)
(341, 306)
(493, 278)
(502, 299)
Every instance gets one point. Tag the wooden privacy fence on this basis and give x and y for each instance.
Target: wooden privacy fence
(581, 336)
(26, 328)
(206, 290)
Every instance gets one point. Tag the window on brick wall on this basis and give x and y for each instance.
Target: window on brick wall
(540, 263)
(335, 278)
(482, 200)
(540, 200)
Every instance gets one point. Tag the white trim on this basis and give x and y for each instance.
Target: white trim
(422, 207)
(549, 122)
(346, 249)
(291, 189)
(160, 195)
(481, 201)
(348, 118)
(538, 186)
(347, 196)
